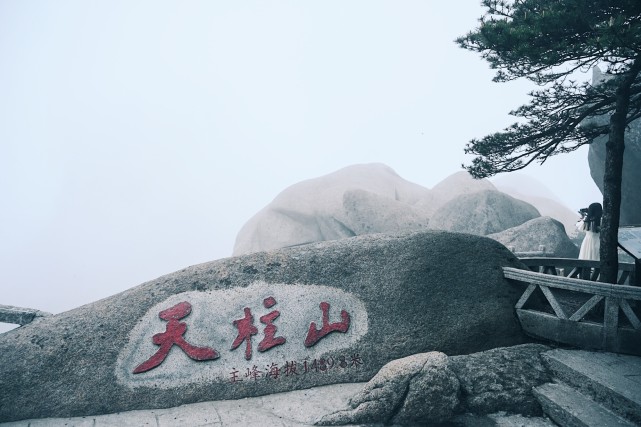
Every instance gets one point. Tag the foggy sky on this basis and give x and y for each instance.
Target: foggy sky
(137, 137)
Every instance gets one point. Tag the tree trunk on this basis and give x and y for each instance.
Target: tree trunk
(612, 178)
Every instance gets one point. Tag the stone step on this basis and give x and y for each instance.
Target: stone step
(613, 380)
(569, 408)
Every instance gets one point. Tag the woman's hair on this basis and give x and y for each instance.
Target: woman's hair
(593, 219)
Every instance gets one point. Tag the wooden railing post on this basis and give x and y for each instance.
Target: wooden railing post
(611, 323)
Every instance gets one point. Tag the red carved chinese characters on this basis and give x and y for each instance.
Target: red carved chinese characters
(246, 329)
(173, 335)
(273, 371)
(314, 335)
(270, 330)
(175, 331)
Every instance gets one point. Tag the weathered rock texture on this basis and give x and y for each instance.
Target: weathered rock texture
(458, 184)
(530, 190)
(482, 213)
(501, 379)
(369, 213)
(421, 292)
(539, 232)
(429, 388)
(630, 194)
(417, 389)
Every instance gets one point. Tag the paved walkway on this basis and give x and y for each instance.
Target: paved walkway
(290, 409)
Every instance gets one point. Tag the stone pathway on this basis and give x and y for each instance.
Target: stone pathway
(592, 389)
(291, 409)
(589, 389)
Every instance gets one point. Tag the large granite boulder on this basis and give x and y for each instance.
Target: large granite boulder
(294, 318)
(530, 190)
(543, 232)
(458, 184)
(630, 194)
(501, 379)
(329, 207)
(418, 389)
(369, 213)
(372, 198)
(482, 213)
(431, 388)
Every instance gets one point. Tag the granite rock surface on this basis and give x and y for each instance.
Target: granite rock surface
(372, 198)
(532, 191)
(196, 335)
(431, 388)
(630, 194)
(501, 379)
(482, 213)
(327, 208)
(539, 232)
(418, 389)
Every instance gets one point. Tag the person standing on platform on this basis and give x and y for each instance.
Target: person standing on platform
(591, 226)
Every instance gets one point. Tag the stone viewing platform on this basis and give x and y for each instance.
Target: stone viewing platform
(592, 388)
(295, 408)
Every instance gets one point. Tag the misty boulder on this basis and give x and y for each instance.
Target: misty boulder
(369, 213)
(372, 198)
(501, 379)
(539, 232)
(458, 184)
(482, 213)
(532, 191)
(294, 318)
(328, 208)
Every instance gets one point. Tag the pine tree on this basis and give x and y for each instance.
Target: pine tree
(547, 42)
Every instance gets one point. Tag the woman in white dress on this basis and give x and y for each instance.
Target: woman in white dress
(591, 225)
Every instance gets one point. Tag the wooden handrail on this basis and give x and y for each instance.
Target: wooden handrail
(570, 262)
(569, 328)
(579, 285)
(580, 268)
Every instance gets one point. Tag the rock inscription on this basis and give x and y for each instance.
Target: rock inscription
(210, 336)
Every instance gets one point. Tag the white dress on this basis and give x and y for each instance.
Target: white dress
(590, 246)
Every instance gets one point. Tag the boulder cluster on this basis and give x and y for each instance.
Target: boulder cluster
(372, 198)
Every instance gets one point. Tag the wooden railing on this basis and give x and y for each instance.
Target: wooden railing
(570, 310)
(578, 268)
